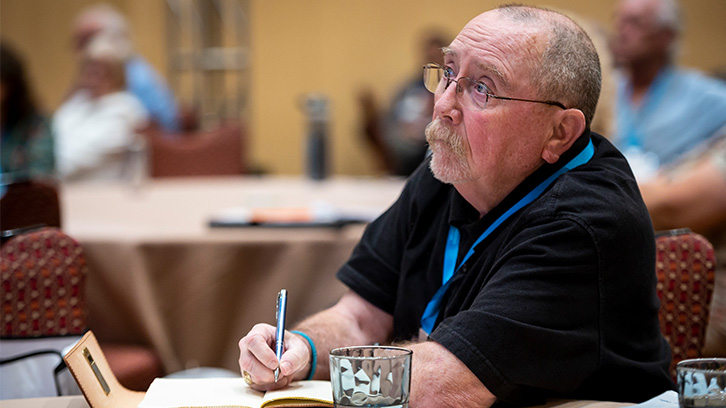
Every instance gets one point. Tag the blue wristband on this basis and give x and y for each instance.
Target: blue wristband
(314, 361)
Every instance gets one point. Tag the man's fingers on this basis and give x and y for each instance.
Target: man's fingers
(262, 350)
(258, 359)
(296, 356)
(256, 355)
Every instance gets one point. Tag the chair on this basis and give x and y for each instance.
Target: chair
(29, 202)
(208, 153)
(685, 267)
(43, 285)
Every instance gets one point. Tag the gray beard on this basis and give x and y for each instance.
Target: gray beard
(448, 159)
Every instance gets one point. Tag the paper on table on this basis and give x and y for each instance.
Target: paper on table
(233, 392)
(301, 391)
(200, 392)
(668, 399)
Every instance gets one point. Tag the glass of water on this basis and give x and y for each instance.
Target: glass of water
(702, 382)
(370, 376)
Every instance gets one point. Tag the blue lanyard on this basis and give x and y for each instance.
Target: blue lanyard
(452, 241)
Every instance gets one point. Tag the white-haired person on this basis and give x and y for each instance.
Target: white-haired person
(95, 127)
(662, 111)
(141, 78)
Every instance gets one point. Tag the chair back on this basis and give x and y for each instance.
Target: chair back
(43, 275)
(685, 266)
(208, 153)
(30, 202)
(43, 283)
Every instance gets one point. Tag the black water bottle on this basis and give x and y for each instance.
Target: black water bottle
(318, 116)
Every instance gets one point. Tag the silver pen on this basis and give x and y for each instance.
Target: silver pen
(281, 313)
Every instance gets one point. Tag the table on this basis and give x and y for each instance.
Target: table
(160, 276)
(74, 401)
(79, 402)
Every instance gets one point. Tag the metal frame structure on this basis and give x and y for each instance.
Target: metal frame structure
(208, 52)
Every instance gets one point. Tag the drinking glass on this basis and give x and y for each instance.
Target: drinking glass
(370, 376)
(702, 382)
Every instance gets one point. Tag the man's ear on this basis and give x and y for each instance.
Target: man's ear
(568, 126)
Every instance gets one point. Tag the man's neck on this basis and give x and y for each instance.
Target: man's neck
(642, 76)
(477, 200)
(484, 199)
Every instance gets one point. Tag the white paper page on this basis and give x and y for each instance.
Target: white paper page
(200, 392)
(668, 399)
(312, 390)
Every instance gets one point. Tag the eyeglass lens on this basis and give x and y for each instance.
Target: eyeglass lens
(435, 82)
(432, 77)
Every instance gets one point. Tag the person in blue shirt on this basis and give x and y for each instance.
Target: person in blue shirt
(141, 78)
(662, 111)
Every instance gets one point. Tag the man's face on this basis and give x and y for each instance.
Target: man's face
(498, 147)
(638, 36)
(96, 77)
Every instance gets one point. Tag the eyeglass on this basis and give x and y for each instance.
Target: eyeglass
(475, 94)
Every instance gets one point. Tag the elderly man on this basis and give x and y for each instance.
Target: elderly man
(662, 111)
(519, 260)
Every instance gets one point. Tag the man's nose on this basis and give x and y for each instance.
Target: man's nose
(446, 104)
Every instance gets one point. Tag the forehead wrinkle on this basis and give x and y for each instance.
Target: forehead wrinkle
(515, 47)
(482, 66)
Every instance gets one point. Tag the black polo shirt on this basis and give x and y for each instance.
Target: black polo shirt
(558, 301)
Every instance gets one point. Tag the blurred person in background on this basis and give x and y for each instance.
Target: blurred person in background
(141, 79)
(662, 111)
(397, 135)
(97, 125)
(26, 143)
(693, 195)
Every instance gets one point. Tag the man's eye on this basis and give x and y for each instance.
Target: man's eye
(481, 88)
(449, 73)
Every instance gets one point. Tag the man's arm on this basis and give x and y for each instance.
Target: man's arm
(353, 321)
(439, 379)
(695, 199)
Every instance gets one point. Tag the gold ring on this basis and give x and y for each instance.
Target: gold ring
(247, 378)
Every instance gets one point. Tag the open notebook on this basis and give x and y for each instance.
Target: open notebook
(101, 389)
(233, 392)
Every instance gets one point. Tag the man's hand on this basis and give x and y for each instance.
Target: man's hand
(257, 358)
(351, 321)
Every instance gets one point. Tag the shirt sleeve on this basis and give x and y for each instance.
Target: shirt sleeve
(373, 270)
(153, 93)
(534, 325)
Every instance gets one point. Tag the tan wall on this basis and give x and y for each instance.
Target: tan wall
(332, 46)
